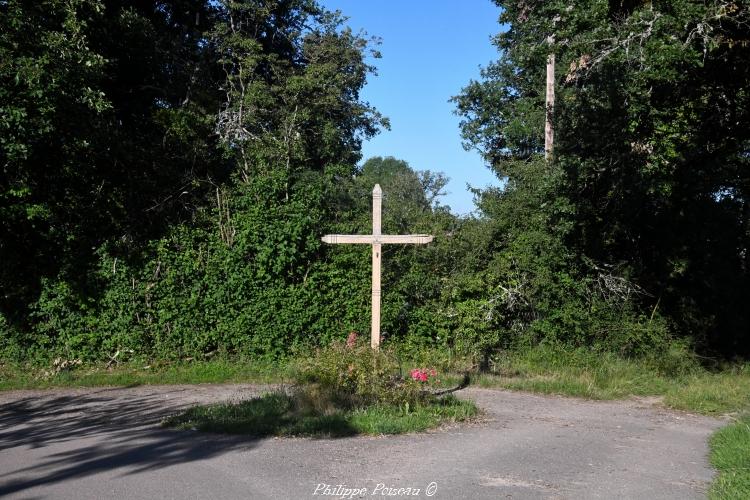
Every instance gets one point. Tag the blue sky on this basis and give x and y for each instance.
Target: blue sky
(431, 49)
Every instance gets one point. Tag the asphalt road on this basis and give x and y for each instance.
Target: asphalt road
(106, 443)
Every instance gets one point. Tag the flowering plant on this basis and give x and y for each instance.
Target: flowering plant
(422, 374)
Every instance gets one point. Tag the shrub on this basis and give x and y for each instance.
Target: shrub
(353, 376)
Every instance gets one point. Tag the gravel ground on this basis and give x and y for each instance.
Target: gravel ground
(107, 443)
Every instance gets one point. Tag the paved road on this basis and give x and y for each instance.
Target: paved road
(106, 443)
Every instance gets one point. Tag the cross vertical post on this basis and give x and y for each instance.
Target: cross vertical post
(377, 240)
(377, 206)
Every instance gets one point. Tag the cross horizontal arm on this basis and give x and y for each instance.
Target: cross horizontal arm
(417, 239)
(369, 239)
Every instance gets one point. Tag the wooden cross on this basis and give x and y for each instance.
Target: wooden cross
(377, 240)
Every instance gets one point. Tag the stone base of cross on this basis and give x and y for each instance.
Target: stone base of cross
(376, 239)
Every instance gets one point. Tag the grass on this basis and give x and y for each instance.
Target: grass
(682, 383)
(284, 414)
(675, 376)
(730, 454)
(19, 376)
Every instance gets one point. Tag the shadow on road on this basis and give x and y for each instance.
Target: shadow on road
(106, 430)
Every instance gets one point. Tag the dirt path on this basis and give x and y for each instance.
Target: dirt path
(106, 443)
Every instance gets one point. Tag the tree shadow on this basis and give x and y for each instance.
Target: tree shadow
(280, 413)
(463, 384)
(117, 432)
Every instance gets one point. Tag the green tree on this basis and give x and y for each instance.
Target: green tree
(651, 146)
(264, 123)
(106, 112)
(408, 194)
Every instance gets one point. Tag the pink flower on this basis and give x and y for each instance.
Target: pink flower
(422, 374)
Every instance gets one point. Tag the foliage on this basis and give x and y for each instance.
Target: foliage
(358, 376)
(168, 170)
(106, 116)
(241, 265)
(647, 199)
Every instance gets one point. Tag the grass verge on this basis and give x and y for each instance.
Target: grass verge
(18, 376)
(730, 454)
(282, 414)
(583, 373)
(675, 377)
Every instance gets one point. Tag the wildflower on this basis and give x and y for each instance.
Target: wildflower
(422, 374)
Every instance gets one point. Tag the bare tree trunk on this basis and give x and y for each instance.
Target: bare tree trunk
(746, 216)
(549, 132)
